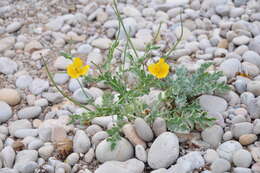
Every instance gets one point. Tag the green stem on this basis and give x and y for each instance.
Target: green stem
(60, 91)
(82, 88)
(178, 40)
(123, 26)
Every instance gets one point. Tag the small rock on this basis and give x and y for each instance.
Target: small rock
(89, 156)
(93, 129)
(32, 46)
(252, 57)
(228, 148)
(254, 87)
(61, 78)
(29, 112)
(72, 159)
(23, 157)
(143, 129)
(61, 63)
(58, 134)
(35, 144)
(95, 57)
(242, 170)
(230, 67)
(8, 156)
(140, 153)
(38, 86)
(98, 137)
(29, 167)
(19, 124)
(213, 103)
(10, 96)
(5, 112)
(122, 151)
(129, 166)
(82, 97)
(164, 151)
(220, 166)
(247, 139)
(13, 27)
(46, 151)
(256, 167)
(5, 44)
(159, 126)
(22, 133)
(81, 142)
(102, 43)
(240, 129)
(23, 81)
(242, 158)
(53, 97)
(241, 40)
(210, 156)
(213, 140)
(130, 134)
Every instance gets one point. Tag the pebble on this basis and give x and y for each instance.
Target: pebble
(46, 151)
(29, 112)
(35, 144)
(95, 57)
(102, 43)
(38, 86)
(210, 156)
(131, 135)
(81, 142)
(129, 166)
(122, 151)
(164, 151)
(80, 96)
(240, 129)
(256, 167)
(247, 139)
(53, 97)
(213, 140)
(32, 46)
(60, 78)
(140, 153)
(10, 96)
(93, 129)
(242, 158)
(230, 67)
(143, 130)
(98, 137)
(254, 107)
(253, 45)
(242, 170)
(241, 40)
(8, 156)
(250, 69)
(5, 112)
(159, 126)
(228, 148)
(22, 133)
(13, 27)
(213, 103)
(254, 87)
(23, 81)
(89, 156)
(61, 63)
(84, 49)
(41, 102)
(19, 124)
(5, 44)
(29, 167)
(23, 157)
(220, 166)
(252, 57)
(72, 159)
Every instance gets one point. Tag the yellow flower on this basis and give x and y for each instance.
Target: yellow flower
(76, 69)
(159, 69)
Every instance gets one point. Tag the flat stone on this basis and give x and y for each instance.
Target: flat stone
(5, 112)
(29, 112)
(213, 103)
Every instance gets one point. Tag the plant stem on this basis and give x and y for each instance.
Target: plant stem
(82, 88)
(178, 40)
(60, 91)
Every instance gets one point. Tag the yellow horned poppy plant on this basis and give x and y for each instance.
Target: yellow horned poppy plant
(159, 69)
(76, 69)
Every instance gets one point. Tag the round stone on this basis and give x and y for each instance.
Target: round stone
(122, 151)
(10, 96)
(228, 148)
(220, 166)
(247, 139)
(143, 129)
(242, 158)
(5, 112)
(164, 151)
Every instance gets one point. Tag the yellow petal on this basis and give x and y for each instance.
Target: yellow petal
(161, 61)
(71, 71)
(84, 70)
(77, 62)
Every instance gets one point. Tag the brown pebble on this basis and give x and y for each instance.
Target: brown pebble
(247, 139)
(18, 146)
(132, 136)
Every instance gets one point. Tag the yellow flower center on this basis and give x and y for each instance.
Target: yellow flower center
(76, 69)
(159, 69)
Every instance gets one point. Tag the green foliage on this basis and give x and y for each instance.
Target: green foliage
(177, 103)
